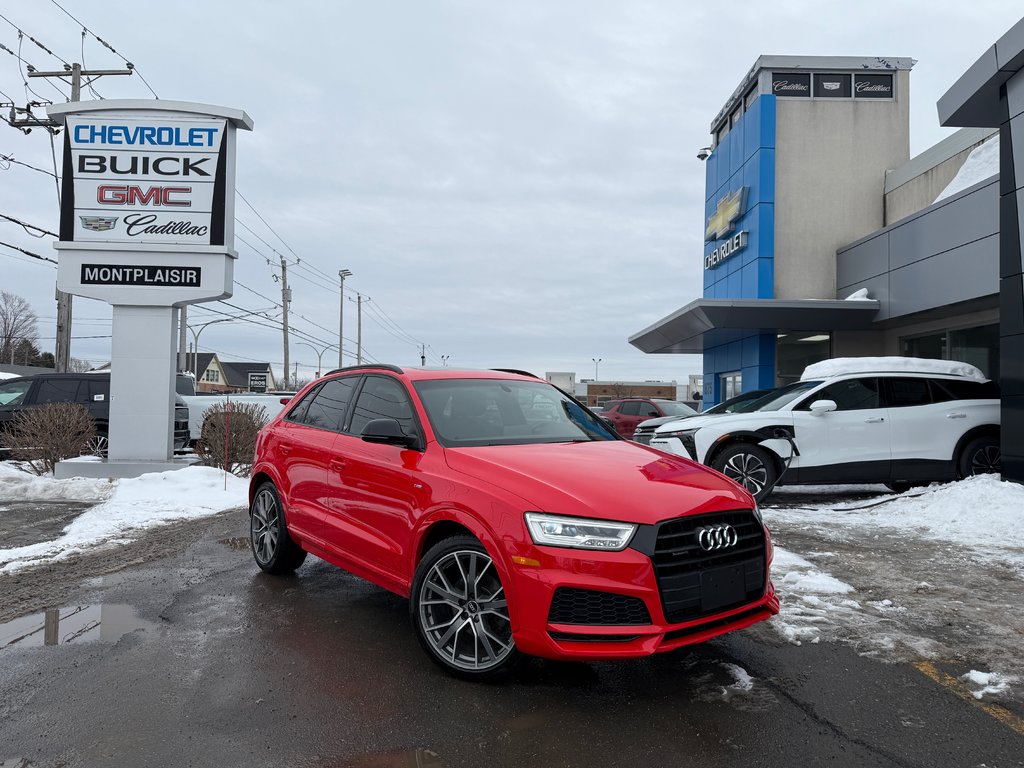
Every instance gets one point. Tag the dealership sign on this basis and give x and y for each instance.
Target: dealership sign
(144, 179)
(721, 223)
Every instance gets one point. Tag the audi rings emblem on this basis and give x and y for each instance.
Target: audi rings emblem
(717, 537)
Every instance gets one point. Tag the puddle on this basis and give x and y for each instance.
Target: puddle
(74, 624)
(239, 543)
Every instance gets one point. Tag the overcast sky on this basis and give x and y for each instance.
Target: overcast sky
(512, 184)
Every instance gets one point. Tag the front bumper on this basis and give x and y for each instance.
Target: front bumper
(629, 573)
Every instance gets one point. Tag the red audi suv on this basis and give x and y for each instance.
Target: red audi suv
(515, 520)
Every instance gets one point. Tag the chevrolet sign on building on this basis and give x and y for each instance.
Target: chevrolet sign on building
(721, 223)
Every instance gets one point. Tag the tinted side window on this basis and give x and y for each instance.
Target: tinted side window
(648, 410)
(904, 393)
(14, 393)
(966, 389)
(57, 391)
(632, 408)
(98, 391)
(382, 398)
(850, 395)
(328, 406)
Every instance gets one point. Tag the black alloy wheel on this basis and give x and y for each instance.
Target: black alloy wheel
(981, 456)
(273, 548)
(460, 612)
(749, 465)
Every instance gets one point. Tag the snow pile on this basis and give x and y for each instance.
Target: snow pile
(983, 514)
(981, 164)
(810, 599)
(989, 683)
(861, 295)
(16, 485)
(845, 365)
(135, 505)
(4, 375)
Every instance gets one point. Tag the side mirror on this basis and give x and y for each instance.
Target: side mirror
(386, 432)
(819, 407)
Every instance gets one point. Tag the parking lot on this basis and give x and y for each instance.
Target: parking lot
(191, 656)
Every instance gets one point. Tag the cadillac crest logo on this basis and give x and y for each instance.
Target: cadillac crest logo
(98, 223)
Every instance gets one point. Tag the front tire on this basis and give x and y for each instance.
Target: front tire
(273, 548)
(749, 465)
(459, 610)
(981, 456)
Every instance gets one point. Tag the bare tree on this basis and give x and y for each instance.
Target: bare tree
(79, 366)
(17, 324)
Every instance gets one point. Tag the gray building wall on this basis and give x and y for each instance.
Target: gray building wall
(915, 185)
(830, 162)
(939, 257)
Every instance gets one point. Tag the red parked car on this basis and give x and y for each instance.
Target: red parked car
(511, 517)
(625, 415)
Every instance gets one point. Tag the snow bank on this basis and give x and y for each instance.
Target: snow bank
(981, 164)
(4, 375)
(845, 365)
(16, 485)
(135, 505)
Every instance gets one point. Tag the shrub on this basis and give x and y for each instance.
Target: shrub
(46, 434)
(228, 437)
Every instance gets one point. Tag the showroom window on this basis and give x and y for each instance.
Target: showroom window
(795, 350)
(732, 385)
(978, 346)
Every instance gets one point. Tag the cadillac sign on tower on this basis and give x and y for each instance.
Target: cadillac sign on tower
(147, 225)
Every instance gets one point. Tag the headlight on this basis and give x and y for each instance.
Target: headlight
(578, 533)
(680, 433)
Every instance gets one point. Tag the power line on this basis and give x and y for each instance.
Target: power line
(28, 227)
(28, 253)
(10, 159)
(106, 45)
(37, 42)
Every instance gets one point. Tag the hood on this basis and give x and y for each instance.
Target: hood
(613, 480)
(693, 422)
(657, 422)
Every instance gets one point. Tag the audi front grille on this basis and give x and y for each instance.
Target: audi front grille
(695, 580)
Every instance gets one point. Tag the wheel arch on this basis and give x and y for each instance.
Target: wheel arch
(736, 438)
(983, 430)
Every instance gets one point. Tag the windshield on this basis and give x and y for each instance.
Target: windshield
(677, 409)
(474, 412)
(14, 392)
(778, 398)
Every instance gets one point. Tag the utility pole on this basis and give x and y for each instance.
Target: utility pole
(423, 355)
(359, 329)
(62, 351)
(342, 274)
(286, 297)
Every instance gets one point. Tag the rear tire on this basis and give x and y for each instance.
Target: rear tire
(749, 465)
(273, 548)
(981, 456)
(460, 613)
(899, 487)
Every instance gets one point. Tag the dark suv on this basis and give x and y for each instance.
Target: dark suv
(91, 390)
(626, 414)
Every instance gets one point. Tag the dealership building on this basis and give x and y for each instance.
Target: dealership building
(824, 238)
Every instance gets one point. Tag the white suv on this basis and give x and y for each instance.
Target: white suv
(892, 420)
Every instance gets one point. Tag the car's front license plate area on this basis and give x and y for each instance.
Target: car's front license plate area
(720, 587)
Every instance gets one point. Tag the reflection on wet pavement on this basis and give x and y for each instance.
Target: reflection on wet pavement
(71, 624)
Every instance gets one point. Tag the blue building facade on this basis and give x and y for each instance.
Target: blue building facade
(739, 263)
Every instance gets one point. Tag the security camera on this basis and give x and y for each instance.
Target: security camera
(703, 153)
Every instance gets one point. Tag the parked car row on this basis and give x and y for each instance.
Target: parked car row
(915, 423)
(90, 390)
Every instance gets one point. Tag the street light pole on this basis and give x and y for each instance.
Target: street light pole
(195, 339)
(597, 362)
(342, 274)
(319, 355)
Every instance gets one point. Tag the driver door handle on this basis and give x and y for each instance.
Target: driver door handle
(874, 420)
(956, 415)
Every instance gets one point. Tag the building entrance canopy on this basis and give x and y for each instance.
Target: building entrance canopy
(710, 322)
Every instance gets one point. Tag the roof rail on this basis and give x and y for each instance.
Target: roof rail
(516, 370)
(385, 366)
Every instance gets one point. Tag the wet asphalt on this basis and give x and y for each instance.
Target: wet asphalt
(200, 659)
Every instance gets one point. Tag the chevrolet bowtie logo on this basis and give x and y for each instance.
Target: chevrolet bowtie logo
(723, 220)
